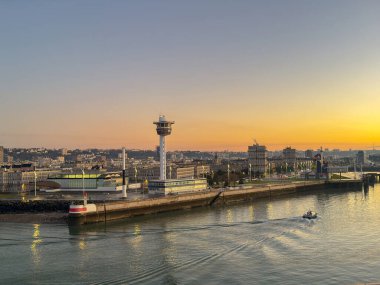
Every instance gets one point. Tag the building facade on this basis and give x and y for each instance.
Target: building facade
(257, 159)
(176, 186)
(289, 155)
(1, 155)
(309, 153)
(360, 157)
(16, 178)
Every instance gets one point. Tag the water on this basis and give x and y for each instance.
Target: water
(262, 242)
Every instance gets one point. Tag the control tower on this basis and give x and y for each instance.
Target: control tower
(164, 128)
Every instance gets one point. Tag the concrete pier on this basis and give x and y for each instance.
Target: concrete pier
(123, 209)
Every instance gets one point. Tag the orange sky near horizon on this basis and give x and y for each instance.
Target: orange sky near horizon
(286, 73)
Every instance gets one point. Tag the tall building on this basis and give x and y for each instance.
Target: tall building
(257, 158)
(289, 155)
(1, 155)
(309, 153)
(360, 157)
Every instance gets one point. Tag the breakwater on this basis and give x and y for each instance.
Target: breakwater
(111, 210)
(33, 206)
(107, 211)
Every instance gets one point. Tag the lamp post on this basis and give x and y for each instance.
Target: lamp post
(35, 183)
(250, 172)
(228, 175)
(84, 196)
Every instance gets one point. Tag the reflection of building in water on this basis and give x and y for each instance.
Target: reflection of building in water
(229, 216)
(251, 213)
(82, 244)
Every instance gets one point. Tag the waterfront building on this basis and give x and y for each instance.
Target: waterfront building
(111, 181)
(217, 160)
(375, 158)
(202, 170)
(337, 169)
(177, 186)
(182, 172)
(257, 159)
(360, 158)
(17, 177)
(290, 157)
(309, 153)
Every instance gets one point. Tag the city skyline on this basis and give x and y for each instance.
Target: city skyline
(92, 74)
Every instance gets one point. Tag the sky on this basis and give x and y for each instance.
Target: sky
(96, 74)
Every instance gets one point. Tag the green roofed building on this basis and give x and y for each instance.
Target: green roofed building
(89, 182)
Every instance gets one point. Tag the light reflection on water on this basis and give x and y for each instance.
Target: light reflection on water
(264, 242)
(34, 246)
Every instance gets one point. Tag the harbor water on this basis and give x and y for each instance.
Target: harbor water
(260, 242)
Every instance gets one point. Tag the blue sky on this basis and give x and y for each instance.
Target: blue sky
(97, 73)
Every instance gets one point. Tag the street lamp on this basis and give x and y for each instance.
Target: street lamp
(250, 172)
(228, 174)
(35, 183)
(84, 197)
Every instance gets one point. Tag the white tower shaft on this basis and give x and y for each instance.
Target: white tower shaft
(162, 158)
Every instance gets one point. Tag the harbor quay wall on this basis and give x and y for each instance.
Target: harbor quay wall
(36, 206)
(124, 209)
(111, 210)
(267, 191)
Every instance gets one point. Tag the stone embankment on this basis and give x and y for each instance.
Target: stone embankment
(124, 209)
(57, 210)
(39, 211)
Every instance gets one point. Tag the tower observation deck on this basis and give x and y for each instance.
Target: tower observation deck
(164, 128)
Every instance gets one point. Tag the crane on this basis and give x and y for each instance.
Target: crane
(373, 147)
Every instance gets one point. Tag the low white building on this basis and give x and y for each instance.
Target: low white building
(176, 186)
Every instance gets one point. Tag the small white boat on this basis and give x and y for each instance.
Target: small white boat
(310, 215)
